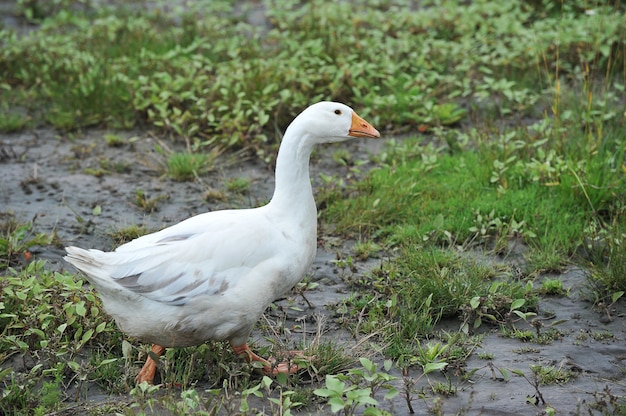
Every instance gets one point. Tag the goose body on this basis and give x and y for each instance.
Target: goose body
(210, 277)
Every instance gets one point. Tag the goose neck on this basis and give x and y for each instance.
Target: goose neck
(293, 183)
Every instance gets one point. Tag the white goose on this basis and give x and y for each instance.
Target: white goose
(211, 276)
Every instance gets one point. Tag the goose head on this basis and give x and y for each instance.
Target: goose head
(330, 122)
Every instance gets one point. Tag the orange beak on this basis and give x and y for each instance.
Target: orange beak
(361, 128)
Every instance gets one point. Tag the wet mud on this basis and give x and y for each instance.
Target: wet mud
(83, 190)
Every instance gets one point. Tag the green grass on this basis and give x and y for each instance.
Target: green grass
(407, 297)
(185, 166)
(123, 235)
(452, 200)
(238, 185)
(10, 123)
(551, 375)
(496, 192)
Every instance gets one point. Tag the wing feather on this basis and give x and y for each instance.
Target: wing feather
(183, 262)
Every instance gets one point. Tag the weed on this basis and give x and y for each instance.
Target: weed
(16, 239)
(548, 336)
(343, 157)
(527, 335)
(522, 335)
(98, 173)
(607, 260)
(186, 166)
(420, 287)
(480, 308)
(429, 356)
(10, 123)
(215, 195)
(608, 403)
(107, 371)
(553, 287)
(551, 375)
(365, 250)
(238, 185)
(526, 350)
(602, 335)
(148, 204)
(50, 317)
(329, 358)
(117, 167)
(126, 234)
(443, 388)
(113, 140)
(347, 393)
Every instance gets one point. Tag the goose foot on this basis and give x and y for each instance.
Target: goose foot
(270, 366)
(149, 368)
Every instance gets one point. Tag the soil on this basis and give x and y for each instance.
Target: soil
(44, 177)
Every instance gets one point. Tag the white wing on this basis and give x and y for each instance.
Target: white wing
(184, 261)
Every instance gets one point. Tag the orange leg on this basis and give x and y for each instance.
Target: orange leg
(149, 368)
(270, 367)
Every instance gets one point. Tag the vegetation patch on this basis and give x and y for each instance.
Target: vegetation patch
(508, 162)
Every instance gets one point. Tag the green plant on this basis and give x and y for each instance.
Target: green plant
(186, 166)
(125, 234)
(50, 316)
(524, 335)
(329, 358)
(553, 287)
(429, 356)
(443, 388)
(144, 397)
(602, 335)
(238, 185)
(551, 375)
(342, 157)
(405, 298)
(365, 250)
(607, 264)
(10, 123)
(16, 239)
(481, 306)
(146, 203)
(279, 405)
(347, 393)
(113, 140)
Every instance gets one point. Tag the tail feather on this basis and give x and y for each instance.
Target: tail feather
(88, 262)
(80, 258)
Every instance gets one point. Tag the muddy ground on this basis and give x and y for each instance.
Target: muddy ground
(46, 175)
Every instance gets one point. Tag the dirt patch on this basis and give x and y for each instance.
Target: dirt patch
(83, 190)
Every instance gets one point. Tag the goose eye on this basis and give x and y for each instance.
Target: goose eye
(338, 112)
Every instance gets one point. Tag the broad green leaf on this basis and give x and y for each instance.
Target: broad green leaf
(334, 384)
(391, 393)
(80, 309)
(336, 404)
(430, 367)
(505, 374)
(101, 327)
(518, 303)
(86, 336)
